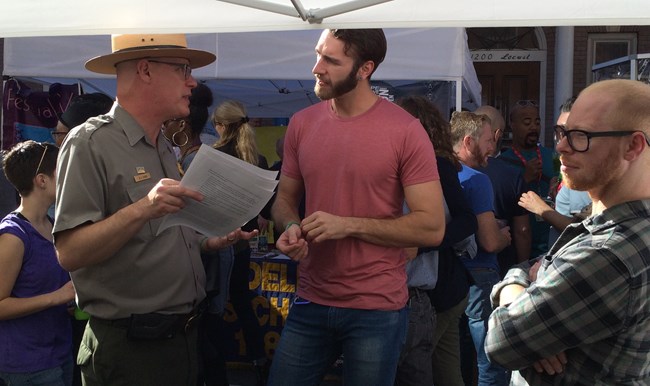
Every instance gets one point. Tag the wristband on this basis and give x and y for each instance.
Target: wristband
(290, 224)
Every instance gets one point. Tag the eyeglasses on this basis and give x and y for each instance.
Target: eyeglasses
(187, 70)
(526, 102)
(42, 157)
(579, 139)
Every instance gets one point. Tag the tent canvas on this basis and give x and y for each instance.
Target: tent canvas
(269, 71)
(77, 17)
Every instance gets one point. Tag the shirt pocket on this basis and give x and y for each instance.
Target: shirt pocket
(135, 193)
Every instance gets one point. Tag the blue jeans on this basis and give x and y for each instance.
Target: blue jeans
(55, 376)
(314, 336)
(478, 312)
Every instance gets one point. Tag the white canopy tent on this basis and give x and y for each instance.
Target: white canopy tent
(269, 71)
(78, 17)
(38, 18)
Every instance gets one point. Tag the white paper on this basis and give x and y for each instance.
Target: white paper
(234, 192)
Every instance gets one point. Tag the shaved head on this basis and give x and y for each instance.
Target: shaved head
(498, 123)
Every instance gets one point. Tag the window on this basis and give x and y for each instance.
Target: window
(604, 47)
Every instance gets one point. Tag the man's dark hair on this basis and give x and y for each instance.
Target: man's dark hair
(567, 105)
(363, 45)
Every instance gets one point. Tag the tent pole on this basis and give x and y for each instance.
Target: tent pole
(459, 95)
(317, 15)
(314, 16)
(265, 6)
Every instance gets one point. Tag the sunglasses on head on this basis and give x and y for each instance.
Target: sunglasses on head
(526, 102)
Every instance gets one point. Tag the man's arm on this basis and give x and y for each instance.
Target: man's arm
(554, 314)
(285, 216)
(92, 243)
(489, 236)
(534, 203)
(423, 226)
(522, 236)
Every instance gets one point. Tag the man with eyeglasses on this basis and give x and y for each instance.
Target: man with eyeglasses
(535, 161)
(117, 178)
(80, 109)
(581, 314)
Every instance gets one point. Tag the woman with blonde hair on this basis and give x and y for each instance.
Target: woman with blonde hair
(236, 135)
(237, 138)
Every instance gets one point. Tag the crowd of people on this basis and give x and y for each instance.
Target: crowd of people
(428, 253)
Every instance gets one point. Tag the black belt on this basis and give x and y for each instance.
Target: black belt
(181, 323)
(415, 292)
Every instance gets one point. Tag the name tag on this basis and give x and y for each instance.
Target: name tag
(141, 177)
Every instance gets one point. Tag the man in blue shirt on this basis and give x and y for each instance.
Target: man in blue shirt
(473, 142)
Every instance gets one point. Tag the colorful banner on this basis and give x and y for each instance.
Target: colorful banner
(31, 114)
(274, 280)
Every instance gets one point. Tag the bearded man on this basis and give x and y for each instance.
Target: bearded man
(357, 158)
(473, 140)
(535, 162)
(580, 315)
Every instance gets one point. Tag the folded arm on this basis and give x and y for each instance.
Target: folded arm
(554, 314)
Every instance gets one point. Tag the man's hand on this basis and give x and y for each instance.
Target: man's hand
(551, 365)
(505, 233)
(219, 242)
(166, 197)
(321, 226)
(292, 243)
(533, 170)
(532, 271)
(532, 202)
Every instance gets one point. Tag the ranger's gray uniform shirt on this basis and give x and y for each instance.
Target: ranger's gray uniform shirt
(105, 165)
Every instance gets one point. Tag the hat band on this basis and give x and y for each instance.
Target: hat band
(140, 48)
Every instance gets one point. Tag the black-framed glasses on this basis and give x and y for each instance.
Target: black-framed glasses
(42, 157)
(187, 70)
(579, 139)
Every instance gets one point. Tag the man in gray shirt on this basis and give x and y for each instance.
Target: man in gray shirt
(117, 178)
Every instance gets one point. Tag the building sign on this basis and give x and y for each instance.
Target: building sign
(507, 55)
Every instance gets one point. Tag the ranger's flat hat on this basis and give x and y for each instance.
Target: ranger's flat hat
(130, 47)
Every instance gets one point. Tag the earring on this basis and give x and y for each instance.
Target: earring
(187, 139)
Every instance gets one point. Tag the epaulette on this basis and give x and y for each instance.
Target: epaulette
(98, 121)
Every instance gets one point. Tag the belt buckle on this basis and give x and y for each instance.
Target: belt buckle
(189, 323)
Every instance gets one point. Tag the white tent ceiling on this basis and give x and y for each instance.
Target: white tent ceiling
(83, 17)
(282, 59)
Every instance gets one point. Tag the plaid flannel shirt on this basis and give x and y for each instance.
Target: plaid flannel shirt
(591, 300)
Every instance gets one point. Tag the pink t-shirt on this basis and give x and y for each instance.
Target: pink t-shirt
(356, 167)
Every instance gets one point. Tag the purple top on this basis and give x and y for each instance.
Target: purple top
(41, 340)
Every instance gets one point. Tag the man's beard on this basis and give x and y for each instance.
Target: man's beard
(588, 179)
(479, 159)
(531, 140)
(338, 89)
